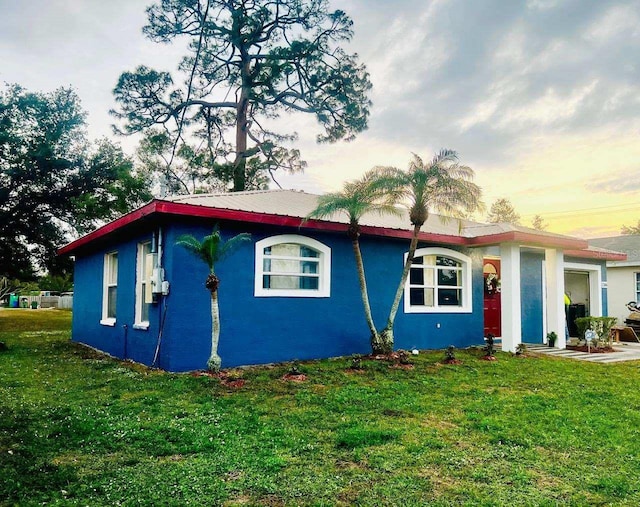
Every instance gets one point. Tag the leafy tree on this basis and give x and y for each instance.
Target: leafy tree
(538, 223)
(355, 200)
(632, 229)
(503, 211)
(211, 250)
(53, 182)
(9, 286)
(189, 170)
(247, 63)
(56, 283)
(442, 185)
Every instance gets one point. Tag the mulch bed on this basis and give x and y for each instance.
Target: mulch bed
(294, 377)
(226, 378)
(452, 361)
(594, 350)
(489, 358)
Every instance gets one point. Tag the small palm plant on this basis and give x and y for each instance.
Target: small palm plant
(355, 200)
(212, 249)
(441, 184)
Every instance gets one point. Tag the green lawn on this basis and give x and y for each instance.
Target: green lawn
(79, 428)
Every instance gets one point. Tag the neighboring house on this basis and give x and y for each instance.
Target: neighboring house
(293, 292)
(623, 275)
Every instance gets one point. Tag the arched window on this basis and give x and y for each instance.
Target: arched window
(292, 266)
(439, 282)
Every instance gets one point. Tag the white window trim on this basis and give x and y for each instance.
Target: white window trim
(467, 279)
(636, 278)
(324, 266)
(139, 323)
(107, 321)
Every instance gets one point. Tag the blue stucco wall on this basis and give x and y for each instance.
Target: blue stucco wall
(120, 341)
(531, 296)
(259, 330)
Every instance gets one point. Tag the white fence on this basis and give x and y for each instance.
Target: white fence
(61, 302)
(65, 302)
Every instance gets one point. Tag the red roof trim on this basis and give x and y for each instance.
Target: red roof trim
(594, 254)
(173, 208)
(146, 210)
(182, 209)
(528, 238)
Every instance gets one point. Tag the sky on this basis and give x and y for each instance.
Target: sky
(540, 97)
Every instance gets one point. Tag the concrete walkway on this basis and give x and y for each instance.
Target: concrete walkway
(623, 352)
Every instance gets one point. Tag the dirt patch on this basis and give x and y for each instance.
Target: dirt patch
(594, 350)
(401, 366)
(489, 358)
(227, 378)
(294, 377)
(452, 361)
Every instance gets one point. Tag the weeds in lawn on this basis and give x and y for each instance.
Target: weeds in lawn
(79, 428)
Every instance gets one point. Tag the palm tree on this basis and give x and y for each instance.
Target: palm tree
(356, 199)
(441, 185)
(212, 249)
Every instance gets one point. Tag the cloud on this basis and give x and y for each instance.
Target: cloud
(627, 183)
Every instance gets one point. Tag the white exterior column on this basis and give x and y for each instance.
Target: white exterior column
(510, 296)
(556, 321)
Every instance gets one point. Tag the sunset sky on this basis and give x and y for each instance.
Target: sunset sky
(540, 97)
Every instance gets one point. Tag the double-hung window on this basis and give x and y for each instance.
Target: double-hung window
(439, 282)
(143, 285)
(110, 289)
(292, 266)
(637, 288)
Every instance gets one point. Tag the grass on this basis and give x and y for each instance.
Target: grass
(78, 428)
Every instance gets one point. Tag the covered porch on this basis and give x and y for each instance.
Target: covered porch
(526, 283)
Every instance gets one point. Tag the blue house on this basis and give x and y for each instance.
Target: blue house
(293, 293)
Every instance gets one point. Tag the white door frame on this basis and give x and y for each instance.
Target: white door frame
(595, 285)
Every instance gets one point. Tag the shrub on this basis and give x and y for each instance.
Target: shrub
(489, 348)
(450, 353)
(601, 325)
(356, 363)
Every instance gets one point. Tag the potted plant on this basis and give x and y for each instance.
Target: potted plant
(551, 339)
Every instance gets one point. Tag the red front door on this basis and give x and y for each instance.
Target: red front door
(492, 301)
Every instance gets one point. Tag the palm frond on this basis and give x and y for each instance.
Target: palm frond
(212, 248)
(232, 244)
(193, 245)
(374, 192)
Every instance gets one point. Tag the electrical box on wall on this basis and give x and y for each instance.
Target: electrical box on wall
(157, 278)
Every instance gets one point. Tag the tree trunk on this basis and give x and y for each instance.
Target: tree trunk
(240, 163)
(386, 335)
(214, 361)
(239, 183)
(375, 339)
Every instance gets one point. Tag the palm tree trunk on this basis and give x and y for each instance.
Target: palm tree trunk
(365, 296)
(386, 335)
(214, 361)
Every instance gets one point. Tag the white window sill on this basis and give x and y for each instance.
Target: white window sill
(430, 309)
(108, 322)
(279, 293)
(142, 326)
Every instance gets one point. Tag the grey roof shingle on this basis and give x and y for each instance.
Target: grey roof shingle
(629, 244)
